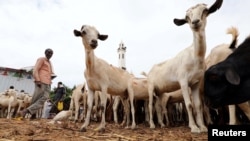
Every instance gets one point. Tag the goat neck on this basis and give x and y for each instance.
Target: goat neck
(200, 45)
(89, 60)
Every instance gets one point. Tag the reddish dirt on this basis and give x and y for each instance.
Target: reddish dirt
(40, 130)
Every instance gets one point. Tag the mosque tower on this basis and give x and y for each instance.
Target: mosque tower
(121, 56)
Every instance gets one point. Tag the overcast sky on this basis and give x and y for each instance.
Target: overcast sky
(28, 27)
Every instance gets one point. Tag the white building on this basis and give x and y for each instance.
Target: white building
(21, 79)
(121, 56)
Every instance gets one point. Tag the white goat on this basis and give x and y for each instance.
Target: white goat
(79, 96)
(117, 101)
(61, 116)
(220, 52)
(166, 98)
(99, 75)
(138, 90)
(186, 68)
(96, 111)
(24, 99)
(169, 98)
(9, 100)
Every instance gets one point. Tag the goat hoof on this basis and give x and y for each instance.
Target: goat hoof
(203, 129)
(152, 126)
(100, 130)
(122, 124)
(133, 128)
(195, 130)
(83, 130)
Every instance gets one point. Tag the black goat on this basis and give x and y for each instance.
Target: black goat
(228, 82)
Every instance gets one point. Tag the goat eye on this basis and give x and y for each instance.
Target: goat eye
(205, 12)
(83, 32)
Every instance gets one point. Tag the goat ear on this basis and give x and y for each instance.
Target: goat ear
(77, 33)
(215, 6)
(102, 37)
(180, 22)
(232, 77)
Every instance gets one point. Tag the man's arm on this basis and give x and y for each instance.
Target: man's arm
(36, 69)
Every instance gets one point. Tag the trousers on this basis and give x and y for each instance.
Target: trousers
(41, 94)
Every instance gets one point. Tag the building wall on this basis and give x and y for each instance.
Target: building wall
(20, 79)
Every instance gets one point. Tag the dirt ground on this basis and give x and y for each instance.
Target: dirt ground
(40, 130)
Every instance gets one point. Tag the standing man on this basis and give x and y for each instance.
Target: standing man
(43, 74)
(59, 96)
(59, 92)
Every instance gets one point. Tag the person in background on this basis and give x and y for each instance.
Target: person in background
(46, 108)
(59, 92)
(59, 97)
(43, 75)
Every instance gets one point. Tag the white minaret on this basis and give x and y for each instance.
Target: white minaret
(121, 56)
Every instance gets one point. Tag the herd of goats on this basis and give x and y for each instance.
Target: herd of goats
(195, 87)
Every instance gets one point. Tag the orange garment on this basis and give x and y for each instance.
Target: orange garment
(43, 70)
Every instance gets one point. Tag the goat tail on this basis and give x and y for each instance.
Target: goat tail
(235, 33)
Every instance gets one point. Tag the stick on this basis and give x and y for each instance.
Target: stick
(87, 138)
(121, 136)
